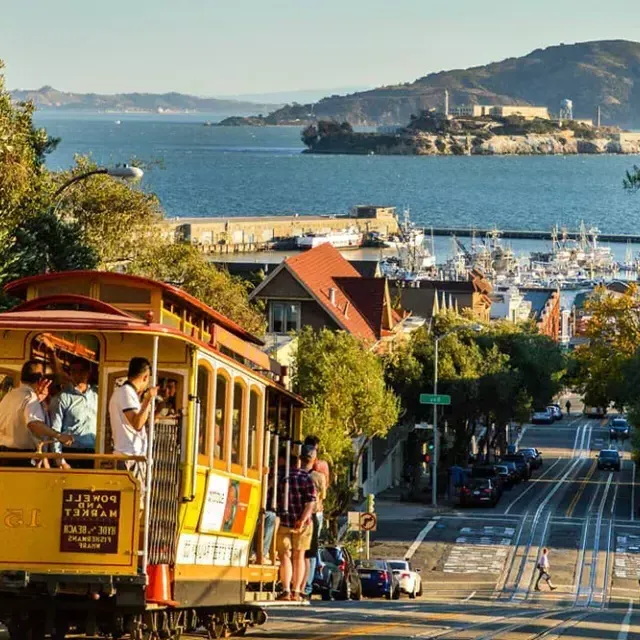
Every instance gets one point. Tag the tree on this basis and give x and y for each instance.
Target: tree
(631, 181)
(613, 333)
(349, 401)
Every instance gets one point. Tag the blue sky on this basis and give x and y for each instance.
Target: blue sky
(229, 47)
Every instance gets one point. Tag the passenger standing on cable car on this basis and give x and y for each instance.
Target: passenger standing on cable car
(22, 415)
(75, 411)
(128, 414)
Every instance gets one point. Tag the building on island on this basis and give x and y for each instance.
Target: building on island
(501, 111)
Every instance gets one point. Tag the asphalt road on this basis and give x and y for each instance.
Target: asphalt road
(478, 564)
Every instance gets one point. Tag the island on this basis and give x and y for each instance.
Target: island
(434, 133)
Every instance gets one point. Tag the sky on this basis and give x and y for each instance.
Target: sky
(236, 47)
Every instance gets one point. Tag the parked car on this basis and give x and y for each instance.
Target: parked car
(556, 411)
(609, 459)
(508, 475)
(542, 416)
(479, 492)
(534, 457)
(337, 575)
(409, 578)
(521, 462)
(513, 468)
(488, 471)
(377, 579)
(618, 429)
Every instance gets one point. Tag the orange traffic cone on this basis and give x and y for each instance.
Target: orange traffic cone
(159, 585)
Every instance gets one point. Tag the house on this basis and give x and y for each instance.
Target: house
(426, 298)
(545, 310)
(510, 304)
(321, 289)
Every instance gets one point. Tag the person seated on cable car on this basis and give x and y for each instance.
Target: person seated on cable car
(167, 397)
(75, 411)
(129, 409)
(22, 415)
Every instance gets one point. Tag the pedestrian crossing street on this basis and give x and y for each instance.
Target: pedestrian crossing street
(479, 550)
(627, 558)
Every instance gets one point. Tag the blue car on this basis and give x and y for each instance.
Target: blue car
(377, 579)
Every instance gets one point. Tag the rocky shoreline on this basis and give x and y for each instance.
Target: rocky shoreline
(427, 144)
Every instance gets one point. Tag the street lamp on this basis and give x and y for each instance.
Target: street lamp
(125, 172)
(436, 438)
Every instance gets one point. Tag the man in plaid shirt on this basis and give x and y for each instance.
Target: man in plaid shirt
(295, 532)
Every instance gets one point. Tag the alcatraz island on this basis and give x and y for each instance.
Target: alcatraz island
(476, 130)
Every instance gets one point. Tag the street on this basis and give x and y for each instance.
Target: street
(478, 565)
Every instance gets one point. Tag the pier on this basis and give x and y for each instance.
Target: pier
(524, 234)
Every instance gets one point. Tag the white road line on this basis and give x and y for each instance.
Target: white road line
(419, 538)
(531, 486)
(625, 626)
(575, 442)
(473, 593)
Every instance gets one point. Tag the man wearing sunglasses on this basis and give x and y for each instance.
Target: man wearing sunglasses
(22, 416)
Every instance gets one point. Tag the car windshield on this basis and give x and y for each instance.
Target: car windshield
(399, 566)
(609, 454)
(619, 422)
(331, 555)
(372, 564)
(502, 468)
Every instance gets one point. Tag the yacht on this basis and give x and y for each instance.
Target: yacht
(347, 239)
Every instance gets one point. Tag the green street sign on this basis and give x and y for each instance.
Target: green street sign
(430, 398)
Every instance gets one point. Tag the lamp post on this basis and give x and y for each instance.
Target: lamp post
(125, 172)
(436, 435)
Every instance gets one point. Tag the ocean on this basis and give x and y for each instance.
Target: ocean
(234, 171)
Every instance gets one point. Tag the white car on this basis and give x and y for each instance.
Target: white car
(409, 579)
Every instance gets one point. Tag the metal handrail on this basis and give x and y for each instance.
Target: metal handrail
(15, 455)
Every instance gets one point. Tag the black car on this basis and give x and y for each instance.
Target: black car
(513, 469)
(521, 462)
(508, 475)
(534, 457)
(479, 492)
(609, 459)
(488, 471)
(618, 429)
(337, 575)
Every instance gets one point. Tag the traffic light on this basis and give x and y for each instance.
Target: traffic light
(371, 503)
(426, 458)
(430, 447)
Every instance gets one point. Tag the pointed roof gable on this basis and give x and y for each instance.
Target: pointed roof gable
(319, 271)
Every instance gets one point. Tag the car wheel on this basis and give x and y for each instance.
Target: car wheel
(396, 594)
(419, 589)
(388, 595)
(326, 595)
(358, 594)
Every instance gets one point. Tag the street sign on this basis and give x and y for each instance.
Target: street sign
(368, 521)
(431, 398)
(353, 520)
(423, 425)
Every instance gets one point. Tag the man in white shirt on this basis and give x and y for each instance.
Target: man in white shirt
(128, 414)
(22, 416)
(543, 571)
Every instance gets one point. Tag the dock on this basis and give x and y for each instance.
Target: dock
(524, 234)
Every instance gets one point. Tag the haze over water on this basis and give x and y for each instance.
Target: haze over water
(215, 171)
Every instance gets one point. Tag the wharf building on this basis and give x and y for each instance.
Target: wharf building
(244, 234)
(501, 111)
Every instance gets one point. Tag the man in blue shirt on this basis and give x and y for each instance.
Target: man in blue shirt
(75, 412)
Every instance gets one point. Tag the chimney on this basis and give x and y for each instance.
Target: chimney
(332, 295)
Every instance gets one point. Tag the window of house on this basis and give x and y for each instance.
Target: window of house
(203, 398)
(285, 317)
(222, 386)
(254, 417)
(237, 422)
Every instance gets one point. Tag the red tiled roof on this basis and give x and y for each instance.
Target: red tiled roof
(320, 270)
(367, 294)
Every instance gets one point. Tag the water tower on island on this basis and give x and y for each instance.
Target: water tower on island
(566, 109)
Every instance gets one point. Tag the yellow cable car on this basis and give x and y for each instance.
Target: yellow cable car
(98, 550)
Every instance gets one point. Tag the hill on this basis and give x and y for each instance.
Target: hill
(605, 73)
(50, 98)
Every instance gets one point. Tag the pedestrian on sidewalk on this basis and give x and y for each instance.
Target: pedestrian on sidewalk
(543, 571)
(567, 404)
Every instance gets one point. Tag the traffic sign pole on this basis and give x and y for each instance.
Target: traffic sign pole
(436, 447)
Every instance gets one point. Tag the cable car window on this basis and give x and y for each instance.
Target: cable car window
(254, 417)
(203, 397)
(238, 422)
(222, 387)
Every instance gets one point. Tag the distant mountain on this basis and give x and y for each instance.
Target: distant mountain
(301, 95)
(605, 73)
(50, 98)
